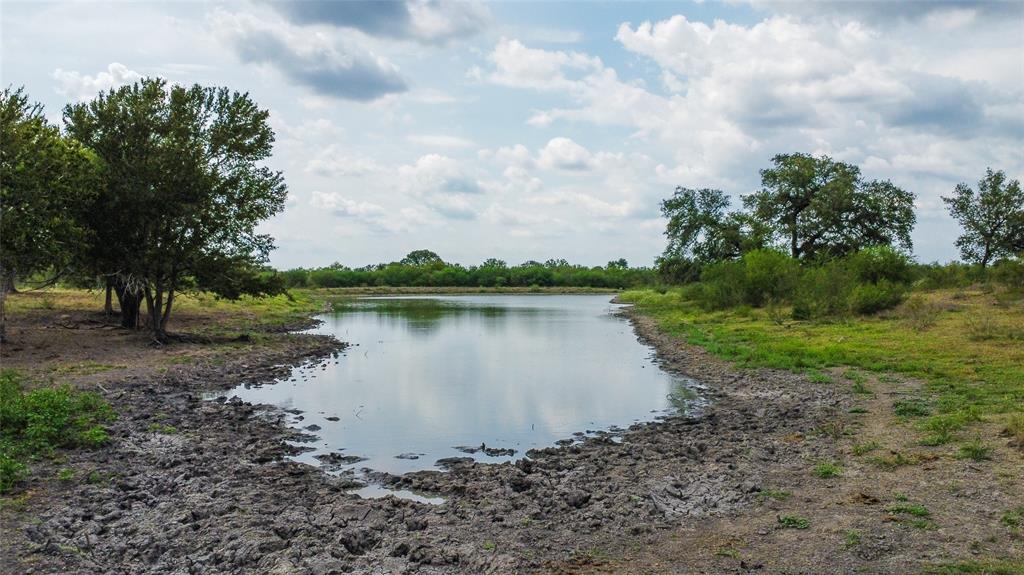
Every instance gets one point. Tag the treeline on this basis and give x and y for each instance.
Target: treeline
(150, 190)
(426, 268)
(820, 239)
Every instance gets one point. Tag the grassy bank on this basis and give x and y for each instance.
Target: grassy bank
(967, 346)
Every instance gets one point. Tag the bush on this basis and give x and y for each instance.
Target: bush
(1010, 273)
(38, 421)
(874, 265)
(760, 277)
(874, 297)
(822, 291)
(942, 276)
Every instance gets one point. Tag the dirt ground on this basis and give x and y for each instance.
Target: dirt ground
(729, 490)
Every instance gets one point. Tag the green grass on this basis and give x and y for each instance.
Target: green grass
(162, 429)
(974, 450)
(827, 469)
(793, 522)
(866, 447)
(37, 422)
(892, 461)
(968, 377)
(776, 494)
(912, 509)
(851, 538)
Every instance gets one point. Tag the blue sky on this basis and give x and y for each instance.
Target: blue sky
(534, 130)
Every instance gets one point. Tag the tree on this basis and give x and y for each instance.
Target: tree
(821, 207)
(183, 193)
(422, 258)
(46, 181)
(700, 229)
(992, 219)
(620, 263)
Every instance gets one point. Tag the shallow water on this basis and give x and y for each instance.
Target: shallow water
(428, 374)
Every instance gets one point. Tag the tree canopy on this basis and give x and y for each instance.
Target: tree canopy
(819, 207)
(45, 181)
(992, 218)
(184, 190)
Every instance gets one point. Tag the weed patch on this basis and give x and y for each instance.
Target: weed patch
(826, 469)
(37, 422)
(793, 522)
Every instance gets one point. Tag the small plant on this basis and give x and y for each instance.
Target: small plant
(825, 470)
(911, 509)
(66, 474)
(1013, 517)
(776, 494)
(900, 497)
(37, 422)
(793, 522)
(1015, 429)
(866, 447)
(859, 387)
(890, 462)
(816, 376)
(974, 450)
(911, 408)
(922, 524)
(489, 545)
(851, 538)
(832, 429)
(919, 313)
(162, 429)
(857, 410)
(728, 552)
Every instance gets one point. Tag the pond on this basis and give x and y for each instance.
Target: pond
(429, 377)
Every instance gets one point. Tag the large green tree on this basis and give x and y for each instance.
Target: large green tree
(46, 182)
(992, 218)
(700, 229)
(185, 189)
(819, 207)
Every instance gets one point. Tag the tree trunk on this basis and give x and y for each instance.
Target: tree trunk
(108, 305)
(131, 302)
(8, 281)
(155, 306)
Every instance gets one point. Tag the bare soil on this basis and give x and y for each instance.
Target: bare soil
(689, 494)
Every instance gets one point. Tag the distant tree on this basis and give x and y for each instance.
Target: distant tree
(821, 207)
(620, 264)
(556, 263)
(183, 194)
(494, 263)
(421, 258)
(992, 218)
(46, 182)
(700, 229)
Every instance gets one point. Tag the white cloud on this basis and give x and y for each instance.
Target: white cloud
(80, 87)
(440, 141)
(565, 154)
(330, 65)
(333, 161)
(435, 173)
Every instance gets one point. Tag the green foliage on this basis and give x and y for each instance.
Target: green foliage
(819, 207)
(827, 469)
(38, 421)
(913, 510)
(776, 494)
(871, 298)
(185, 188)
(911, 408)
(793, 522)
(866, 447)
(492, 273)
(992, 218)
(699, 229)
(974, 450)
(851, 538)
(46, 182)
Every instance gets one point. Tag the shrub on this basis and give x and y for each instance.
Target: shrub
(1009, 273)
(38, 421)
(822, 291)
(769, 276)
(875, 297)
(878, 264)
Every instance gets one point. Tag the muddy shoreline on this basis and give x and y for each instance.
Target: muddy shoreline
(219, 495)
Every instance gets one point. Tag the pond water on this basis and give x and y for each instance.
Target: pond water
(427, 375)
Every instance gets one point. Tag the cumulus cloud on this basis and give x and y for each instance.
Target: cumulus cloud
(335, 161)
(434, 173)
(565, 154)
(424, 21)
(440, 141)
(330, 66)
(80, 87)
(374, 217)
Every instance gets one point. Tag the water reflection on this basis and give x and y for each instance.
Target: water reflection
(427, 374)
